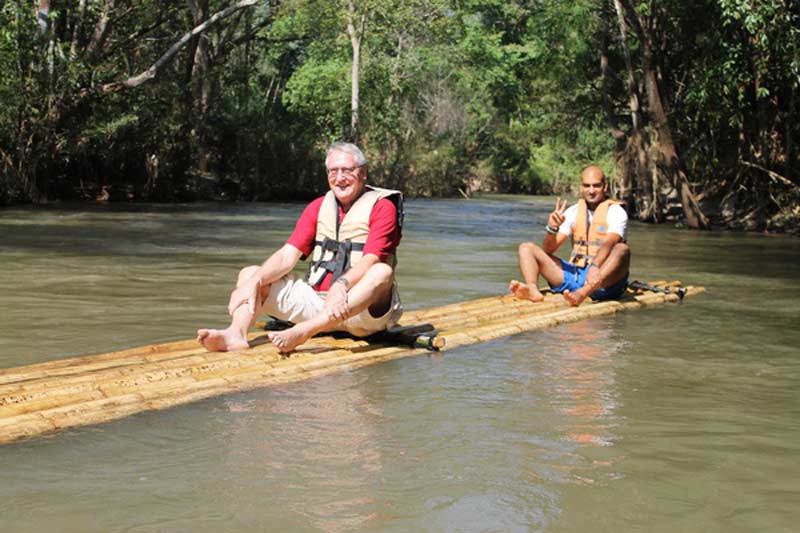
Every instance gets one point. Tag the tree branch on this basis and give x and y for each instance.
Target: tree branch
(138, 34)
(154, 69)
(101, 29)
(774, 175)
(251, 35)
(226, 37)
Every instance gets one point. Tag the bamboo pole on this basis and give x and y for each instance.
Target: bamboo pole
(164, 372)
(474, 312)
(489, 331)
(478, 312)
(47, 397)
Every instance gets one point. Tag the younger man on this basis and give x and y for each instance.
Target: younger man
(598, 267)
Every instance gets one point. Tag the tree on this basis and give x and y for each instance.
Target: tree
(71, 63)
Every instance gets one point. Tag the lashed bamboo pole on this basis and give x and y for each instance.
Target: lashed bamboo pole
(494, 330)
(47, 397)
(474, 313)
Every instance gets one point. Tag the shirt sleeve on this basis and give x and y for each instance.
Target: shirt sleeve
(384, 233)
(617, 220)
(305, 230)
(570, 215)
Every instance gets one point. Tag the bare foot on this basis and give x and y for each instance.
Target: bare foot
(289, 339)
(574, 298)
(221, 340)
(525, 291)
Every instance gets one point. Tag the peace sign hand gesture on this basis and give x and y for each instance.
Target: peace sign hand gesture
(557, 216)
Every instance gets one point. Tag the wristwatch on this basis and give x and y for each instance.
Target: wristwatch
(551, 230)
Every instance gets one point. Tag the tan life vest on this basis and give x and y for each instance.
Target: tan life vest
(339, 245)
(587, 239)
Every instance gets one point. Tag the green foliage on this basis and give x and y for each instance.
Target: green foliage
(501, 94)
(319, 89)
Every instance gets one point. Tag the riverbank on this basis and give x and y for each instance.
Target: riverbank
(786, 221)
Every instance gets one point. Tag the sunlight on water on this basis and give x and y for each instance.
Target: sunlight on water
(681, 418)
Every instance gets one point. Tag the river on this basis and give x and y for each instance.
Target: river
(679, 418)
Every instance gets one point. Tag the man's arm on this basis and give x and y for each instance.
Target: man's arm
(382, 241)
(278, 264)
(553, 237)
(275, 267)
(593, 276)
(336, 301)
(551, 242)
(354, 274)
(605, 249)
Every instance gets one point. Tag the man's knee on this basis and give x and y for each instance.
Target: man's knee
(380, 279)
(246, 273)
(380, 276)
(622, 249)
(621, 258)
(528, 249)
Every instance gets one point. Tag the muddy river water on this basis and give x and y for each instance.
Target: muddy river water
(679, 418)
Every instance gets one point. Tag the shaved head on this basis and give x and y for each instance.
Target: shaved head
(594, 172)
(594, 186)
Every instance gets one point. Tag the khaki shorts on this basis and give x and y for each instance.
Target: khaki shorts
(292, 299)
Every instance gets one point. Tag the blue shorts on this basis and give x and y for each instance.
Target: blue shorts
(574, 279)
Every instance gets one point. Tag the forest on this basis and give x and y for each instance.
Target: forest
(690, 106)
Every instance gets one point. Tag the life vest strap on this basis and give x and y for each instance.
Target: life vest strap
(339, 262)
(330, 245)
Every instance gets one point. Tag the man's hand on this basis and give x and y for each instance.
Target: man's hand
(248, 293)
(557, 216)
(336, 302)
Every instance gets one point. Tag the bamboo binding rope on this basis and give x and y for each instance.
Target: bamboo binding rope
(47, 397)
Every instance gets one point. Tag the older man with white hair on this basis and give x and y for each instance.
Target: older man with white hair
(351, 235)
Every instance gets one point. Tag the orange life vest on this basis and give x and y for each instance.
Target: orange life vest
(587, 239)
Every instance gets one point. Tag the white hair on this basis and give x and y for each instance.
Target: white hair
(350, 148)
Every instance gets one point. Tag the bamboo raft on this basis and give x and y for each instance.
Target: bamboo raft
(47, 397)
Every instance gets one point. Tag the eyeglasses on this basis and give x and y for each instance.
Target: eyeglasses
(345, 171)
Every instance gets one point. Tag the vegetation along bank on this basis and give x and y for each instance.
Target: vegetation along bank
(690, 106)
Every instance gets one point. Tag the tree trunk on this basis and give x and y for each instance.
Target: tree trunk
(76, 29)
(43, 14)
(201, 88)
(636, 150)
(355, 43)
(101, 30)
(788, 123)
(608, 112)
(667, 160)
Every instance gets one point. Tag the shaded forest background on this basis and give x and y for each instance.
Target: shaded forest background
(690, 106)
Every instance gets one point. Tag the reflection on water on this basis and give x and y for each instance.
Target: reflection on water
(331, 423)
(587, 390)
(677, 418)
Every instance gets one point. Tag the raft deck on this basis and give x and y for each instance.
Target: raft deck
(48, 397)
